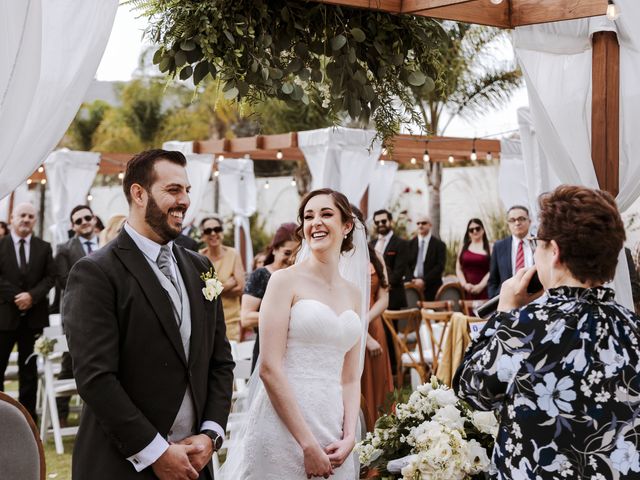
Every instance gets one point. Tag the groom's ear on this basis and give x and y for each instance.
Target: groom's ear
(138, 194)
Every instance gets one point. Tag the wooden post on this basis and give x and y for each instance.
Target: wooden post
(12, 199)
(605, 110)
(242, 248)
(364, 204)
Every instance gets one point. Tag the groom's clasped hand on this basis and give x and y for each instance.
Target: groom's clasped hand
(185, 459)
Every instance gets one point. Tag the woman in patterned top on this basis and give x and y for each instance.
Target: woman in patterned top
(563, 372)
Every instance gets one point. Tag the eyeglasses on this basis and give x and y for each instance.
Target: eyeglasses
(78, 221)
(209, 231)
(517, 219)
(380, 222)
(474, 229)
(534, 240)
(422, 223)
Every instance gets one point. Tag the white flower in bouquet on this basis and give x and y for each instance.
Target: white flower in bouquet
(367, 453)
(451, 417)
(486, 422)
(477, 457)
(443, 397)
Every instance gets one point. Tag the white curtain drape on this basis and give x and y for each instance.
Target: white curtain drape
(70, 176)
(49, 53)
(341, 158)
(238, 189)
(556, 63)
(20, 195)
(198, 171)
(511, 175)
(380, 186)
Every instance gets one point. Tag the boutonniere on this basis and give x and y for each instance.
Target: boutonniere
(212, 286)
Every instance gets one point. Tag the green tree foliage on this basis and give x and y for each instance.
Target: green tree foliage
(80, 134)
(355, 60)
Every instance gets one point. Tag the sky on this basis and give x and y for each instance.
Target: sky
(120, 59)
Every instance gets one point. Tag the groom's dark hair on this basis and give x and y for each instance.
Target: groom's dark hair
(140, 168)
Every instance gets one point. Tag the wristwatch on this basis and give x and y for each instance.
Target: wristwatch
(215, 437)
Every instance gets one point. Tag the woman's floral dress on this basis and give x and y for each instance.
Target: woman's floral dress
(564, 375)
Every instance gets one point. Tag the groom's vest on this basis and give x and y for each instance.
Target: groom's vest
(184, 423)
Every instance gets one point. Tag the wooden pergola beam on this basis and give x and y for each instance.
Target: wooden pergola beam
(508, 14)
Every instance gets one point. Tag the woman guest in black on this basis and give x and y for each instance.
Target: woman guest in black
(563, 372)
(278, 256)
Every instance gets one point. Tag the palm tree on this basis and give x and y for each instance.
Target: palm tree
(472, 81)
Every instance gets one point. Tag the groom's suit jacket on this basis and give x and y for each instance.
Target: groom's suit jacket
(129, 361)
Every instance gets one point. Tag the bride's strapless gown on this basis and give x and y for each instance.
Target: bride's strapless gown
(317, 342)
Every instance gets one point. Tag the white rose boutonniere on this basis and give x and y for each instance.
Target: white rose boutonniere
(212, 286)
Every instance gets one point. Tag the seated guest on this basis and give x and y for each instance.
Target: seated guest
(394, 251)
(563, 372)
(114, 225)
(472, 265)
(512, 253)
(228, 266)
(427, 258)
(278, 256)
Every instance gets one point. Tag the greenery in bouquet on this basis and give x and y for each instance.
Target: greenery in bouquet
(434, 435)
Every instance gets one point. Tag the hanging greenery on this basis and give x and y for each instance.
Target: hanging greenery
(354, 60)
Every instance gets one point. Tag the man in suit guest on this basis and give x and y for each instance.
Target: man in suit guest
(512, 253)
(427, 258)
(150, 353)
(84, 242)
(394, 251)
(27, 273)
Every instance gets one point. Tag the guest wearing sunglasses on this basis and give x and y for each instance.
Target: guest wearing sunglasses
(84, 242)
(394, 251)
(472, 265)
(228, 266)
(427, 258)
(513, 253)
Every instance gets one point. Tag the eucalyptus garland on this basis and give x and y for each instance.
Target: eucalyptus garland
(349, 60)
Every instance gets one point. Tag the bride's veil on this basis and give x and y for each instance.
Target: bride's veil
(354, 267)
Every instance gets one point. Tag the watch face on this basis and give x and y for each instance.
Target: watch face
(217, 442)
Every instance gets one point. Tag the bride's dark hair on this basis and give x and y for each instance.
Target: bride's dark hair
(344, 207)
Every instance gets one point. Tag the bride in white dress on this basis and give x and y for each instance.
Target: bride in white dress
(302, 421)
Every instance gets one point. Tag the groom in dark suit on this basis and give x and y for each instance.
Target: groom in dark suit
(150, 353)
(27, 273)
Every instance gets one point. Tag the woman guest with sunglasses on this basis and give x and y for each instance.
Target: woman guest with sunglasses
(278, 257)
(472, 265)
(228, 265)
(563, 372)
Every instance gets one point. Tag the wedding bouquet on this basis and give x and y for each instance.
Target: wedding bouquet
(434, 435)
(44, 345)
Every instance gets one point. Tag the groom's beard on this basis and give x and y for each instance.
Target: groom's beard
(159, 221)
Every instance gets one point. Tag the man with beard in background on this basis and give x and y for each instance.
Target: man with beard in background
(150, 354)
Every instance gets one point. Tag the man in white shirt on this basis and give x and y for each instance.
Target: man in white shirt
(512, 253)
(150, 353)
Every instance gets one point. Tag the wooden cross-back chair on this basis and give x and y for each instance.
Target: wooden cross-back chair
(453, 292)
(413, 294)
(437, 305)
(404, 326)
(436, 324)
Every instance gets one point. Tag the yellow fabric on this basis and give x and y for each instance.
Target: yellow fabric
(455, 345)
(225, 267)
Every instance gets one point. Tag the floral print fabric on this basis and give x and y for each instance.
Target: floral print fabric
(564, 376)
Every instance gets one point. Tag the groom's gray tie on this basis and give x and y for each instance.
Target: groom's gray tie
(164, 264)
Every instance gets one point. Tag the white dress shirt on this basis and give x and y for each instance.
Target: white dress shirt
(528, 253)
(16, 244)
(383, 241)
(148, 455)
(94, 244)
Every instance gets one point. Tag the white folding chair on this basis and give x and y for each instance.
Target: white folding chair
(53, 388)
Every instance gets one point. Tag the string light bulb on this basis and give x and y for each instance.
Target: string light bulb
(40, 169)
(266, 185)
(413, 160)
(425, 157)
(474, 155)
(496, 2)
(384, 151)
(279, 155)
(221, 158)
(89, 197)
(451, 159)
(613, 11)
(121, 176)
(43, 181)
(216, 173)
(381, 162)
(29, 181)
(293, 182)
(489, 157)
